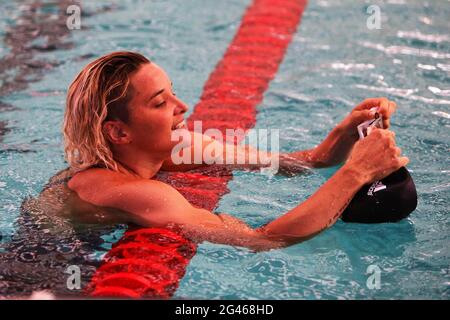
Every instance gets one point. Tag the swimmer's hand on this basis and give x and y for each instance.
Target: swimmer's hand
(336, 147)
(363, 112)
(376, 156)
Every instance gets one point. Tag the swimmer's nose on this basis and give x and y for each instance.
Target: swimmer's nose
(180, 108)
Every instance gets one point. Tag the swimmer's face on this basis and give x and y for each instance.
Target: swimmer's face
(154, 111)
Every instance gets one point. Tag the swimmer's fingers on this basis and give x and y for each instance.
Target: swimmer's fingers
(372, 103)
(386, 111)
(402, 161)
(385, 108)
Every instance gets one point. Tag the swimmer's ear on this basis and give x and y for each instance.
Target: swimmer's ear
(116, 132)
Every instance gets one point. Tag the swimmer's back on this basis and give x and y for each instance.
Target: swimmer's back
(58, 198)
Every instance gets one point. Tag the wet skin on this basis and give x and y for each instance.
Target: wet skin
(143, 145)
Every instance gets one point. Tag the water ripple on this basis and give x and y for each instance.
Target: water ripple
(443, 67)
(393, 50)
(404, 93)
(423, 37)
(351, 66)
(439, 92)
(441, 114)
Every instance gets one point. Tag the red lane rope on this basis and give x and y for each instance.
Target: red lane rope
(150, 262)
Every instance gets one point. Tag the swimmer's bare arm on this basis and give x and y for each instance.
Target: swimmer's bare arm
(206, 150)
(155, 204)
(152, 203)
(334, 149)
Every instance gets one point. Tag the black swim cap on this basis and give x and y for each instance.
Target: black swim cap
(388, 200)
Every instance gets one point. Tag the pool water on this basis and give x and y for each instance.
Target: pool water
(333, 62)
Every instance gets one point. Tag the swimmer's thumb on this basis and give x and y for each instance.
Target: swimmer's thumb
(365, 115)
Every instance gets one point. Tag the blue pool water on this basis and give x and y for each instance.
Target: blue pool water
(333, 62)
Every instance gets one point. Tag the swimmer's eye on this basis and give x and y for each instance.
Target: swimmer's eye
(159, 105)
(163, 103)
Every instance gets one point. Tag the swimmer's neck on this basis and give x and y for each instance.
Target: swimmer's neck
(145, 167)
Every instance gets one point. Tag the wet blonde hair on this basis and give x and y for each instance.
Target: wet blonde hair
(100, 92)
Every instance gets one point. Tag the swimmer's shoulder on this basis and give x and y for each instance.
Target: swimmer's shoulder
(145, 202)
(93, 177)
(105, 187)
(94, 182)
